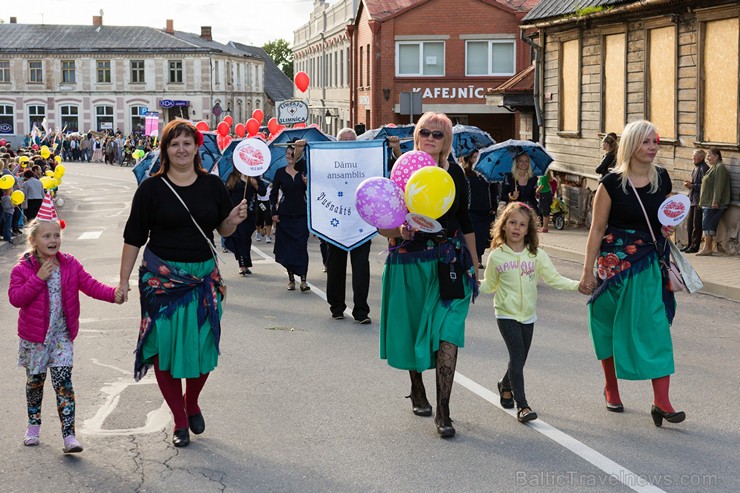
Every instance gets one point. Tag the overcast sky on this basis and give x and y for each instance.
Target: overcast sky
(252, 22)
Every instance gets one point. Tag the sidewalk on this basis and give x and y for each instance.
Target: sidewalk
(720, 274)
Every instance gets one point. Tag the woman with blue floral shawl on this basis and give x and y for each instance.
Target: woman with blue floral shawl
(631, 309)
(179, 283)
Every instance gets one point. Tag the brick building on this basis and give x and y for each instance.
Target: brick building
(451, 51)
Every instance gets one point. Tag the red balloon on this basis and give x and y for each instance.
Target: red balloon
(3, 142)
(202, 126)
(240, 130)
(253, 126)
(229, 120)
(258, 115)
(299, 125)
(301, 81)
(272, 125)
(314, 125)
(391, 125)
(223, 141)
(223, 129)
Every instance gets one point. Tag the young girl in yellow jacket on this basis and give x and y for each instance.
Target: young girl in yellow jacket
(514, 266)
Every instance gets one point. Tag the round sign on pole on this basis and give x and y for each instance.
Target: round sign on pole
(674, 210)
(423, 223)
(252, 157)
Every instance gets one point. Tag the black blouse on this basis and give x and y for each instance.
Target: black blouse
(157, 216)
(293, 201)
(527, 193)
(625, 212)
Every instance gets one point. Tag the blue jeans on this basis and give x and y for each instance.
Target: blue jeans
(8, 226)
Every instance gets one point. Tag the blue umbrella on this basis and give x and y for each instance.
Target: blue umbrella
(148, 165)
(468, 138)
(403, 132)
(495, 161)
(277, 153)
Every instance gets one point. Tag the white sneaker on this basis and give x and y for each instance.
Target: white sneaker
(258, 237)
(268, 239)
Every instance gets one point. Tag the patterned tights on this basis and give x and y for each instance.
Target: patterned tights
(61, 380)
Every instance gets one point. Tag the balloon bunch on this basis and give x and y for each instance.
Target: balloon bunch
(417, 185)
(138, 154)
(248, 129)
(53, 179)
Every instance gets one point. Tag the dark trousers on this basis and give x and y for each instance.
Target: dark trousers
(336, 279)
(33, 208)
(694, 226)
(8, 226)
(518, 339)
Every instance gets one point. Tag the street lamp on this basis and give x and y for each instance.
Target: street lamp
(328, 117)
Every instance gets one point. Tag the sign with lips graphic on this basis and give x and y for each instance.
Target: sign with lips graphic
(251, 157)
(423, 223)
(674, 210)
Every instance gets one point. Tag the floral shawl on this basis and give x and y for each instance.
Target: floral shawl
(163, 289)
(627, 252)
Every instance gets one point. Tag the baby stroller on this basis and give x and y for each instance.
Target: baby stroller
(558, 211)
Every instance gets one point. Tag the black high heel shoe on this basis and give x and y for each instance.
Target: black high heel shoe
(419, 404)
(506, 403)
(658, 415)
(181, 437)
(615, 408)
(445, 428)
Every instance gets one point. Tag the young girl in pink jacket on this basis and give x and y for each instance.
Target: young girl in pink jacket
(45, 286)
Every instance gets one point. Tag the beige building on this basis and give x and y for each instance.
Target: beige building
(99, 77)
(672, 62)
(321, 48)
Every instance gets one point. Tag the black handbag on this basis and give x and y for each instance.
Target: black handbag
(451, 279)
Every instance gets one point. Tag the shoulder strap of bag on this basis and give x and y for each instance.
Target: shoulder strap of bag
(210, 245)
(650, 226)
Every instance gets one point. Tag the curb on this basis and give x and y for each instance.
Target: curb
(710, 288)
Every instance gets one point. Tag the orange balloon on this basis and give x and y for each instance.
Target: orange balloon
(301, 81)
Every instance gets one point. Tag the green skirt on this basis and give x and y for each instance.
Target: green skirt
(628, 321)
(184, 349)
(413, 319)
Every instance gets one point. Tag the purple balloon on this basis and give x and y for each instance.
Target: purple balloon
(380, 202)
(407, 164)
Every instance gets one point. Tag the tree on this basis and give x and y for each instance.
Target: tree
(280, 52)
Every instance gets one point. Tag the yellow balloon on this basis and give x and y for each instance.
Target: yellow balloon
(54, 183)
(58, 159)
(49, 173)
(46, 182)
(430, 191)
(23, 159)
(44, 148)
(17, 197)
(59, 171)
(45, 153)
(7, 182)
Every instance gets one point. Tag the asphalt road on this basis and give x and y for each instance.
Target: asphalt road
(301, 402)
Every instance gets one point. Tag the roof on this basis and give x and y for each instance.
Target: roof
(521, 82)
(382, 10)
(196, 40)
(558, 8)
(278, 86)
(28, 38)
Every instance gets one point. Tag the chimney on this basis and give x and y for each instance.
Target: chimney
(170, 29)
(205, 33)
(97, 20)
(14, 20)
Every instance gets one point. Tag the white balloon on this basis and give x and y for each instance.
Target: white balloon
(59, 202)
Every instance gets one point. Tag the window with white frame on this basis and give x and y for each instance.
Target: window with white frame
(414, 58)
(70, 118)
(103, 71)
(104, 117)
(176, 71)
(36, 115)
(68, 71)
(4, 70)
(138, 120)
(137, 71)
(6, 119)
(35, 71)
(490, 58)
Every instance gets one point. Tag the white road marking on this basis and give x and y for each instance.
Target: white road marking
(620, 473)
(90, 235)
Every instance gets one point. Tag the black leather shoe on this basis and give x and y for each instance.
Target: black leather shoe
(181, 438)
(197, 423)
(692, 250)
(422, 408)
(525, 414)
(506, 403)
(683, 249)
(615, 408)
(445, 428)
(659, 415)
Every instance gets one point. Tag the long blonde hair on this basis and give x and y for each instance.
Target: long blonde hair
(632, 137)
(515, 172)
(445, 126)
(498, 233)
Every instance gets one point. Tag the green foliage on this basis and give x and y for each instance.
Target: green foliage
(280, 52)
(589, 10)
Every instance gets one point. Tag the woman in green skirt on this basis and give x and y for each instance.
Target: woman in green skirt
(422, 322)
(174, 213)
(631, 310)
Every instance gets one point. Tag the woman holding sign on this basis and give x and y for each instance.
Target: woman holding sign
(423, 309)
(631, 309)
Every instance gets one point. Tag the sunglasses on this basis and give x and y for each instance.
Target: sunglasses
(436, 135)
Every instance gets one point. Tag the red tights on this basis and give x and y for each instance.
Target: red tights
(660, 387)
(181, 406)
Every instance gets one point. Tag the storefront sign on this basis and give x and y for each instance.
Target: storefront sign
(6, 128)
(469, 92)
(171, 103)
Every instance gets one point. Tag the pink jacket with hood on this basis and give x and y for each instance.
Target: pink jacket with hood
(31, 294)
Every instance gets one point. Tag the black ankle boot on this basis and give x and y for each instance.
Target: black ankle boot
(419, 402)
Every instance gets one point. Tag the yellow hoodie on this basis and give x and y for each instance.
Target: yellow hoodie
(513, 277)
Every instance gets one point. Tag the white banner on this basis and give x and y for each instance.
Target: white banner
(335, 169)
